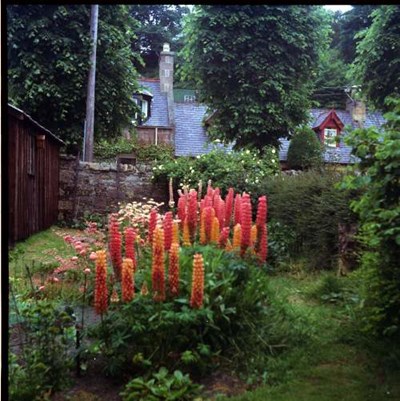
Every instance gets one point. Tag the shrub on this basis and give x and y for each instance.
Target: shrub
(310, 206)
(243, 169)
(305, 150)
(162, 386)
(379, 212)
(107, 150)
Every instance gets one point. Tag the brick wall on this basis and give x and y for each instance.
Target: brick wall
(98, 187)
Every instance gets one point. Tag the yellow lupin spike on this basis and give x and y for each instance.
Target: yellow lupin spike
(175, 232)
(253, 235)
(215, 230)
(237, 236)
(203, 237)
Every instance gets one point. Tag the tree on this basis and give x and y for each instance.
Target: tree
(48, 63)
(349, 25)
(377, 64)
(159, 23)
(305, 149)
(252, 65)
(379, 212)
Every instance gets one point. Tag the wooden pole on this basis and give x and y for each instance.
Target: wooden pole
(88, 147)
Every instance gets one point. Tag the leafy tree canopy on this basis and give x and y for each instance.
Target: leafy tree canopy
(159, 23)
(377, 64)
(48, 66)
(253, 65)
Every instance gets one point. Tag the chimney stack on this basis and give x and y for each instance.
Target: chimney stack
(356, 108)
(166, 69)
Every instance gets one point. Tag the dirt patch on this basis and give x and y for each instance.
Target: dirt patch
(222, 383)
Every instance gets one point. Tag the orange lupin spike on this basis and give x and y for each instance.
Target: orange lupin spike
(175, 232)
(101, 290)
(157, 268)
(186, 234)
(197, 295)
(215, 231)
(237, 236)
(253, 235)
(228, 246)
(173, 271)
(203, 237)
(127, 280)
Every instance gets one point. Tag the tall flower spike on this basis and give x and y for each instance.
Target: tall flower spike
(246, 222)
(237, 236)
(175, 232)
(173, 271)
(229, 207)
(167, 225)
(182, 209)
(152, 224)
(100, 289)
(237, 209)
(253, 239)
(261, 219)
(221, 212)
(208, 218)
(127, 281)
(192, 214)
(186, 234)
(158, 268)
(171, 202)
(214, 237)
(203, 237)
(263, 245)
(223, 237)
(130, 236)
(197, 294)
(115, 245)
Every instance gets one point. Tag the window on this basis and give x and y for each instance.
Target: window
(330, 137)
(144, 106)
(145, 109)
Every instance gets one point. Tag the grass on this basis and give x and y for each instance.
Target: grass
(338, 364)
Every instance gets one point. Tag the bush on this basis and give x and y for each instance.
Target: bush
(305, 150)
(379, 212)
(309, 206)
(244, 169)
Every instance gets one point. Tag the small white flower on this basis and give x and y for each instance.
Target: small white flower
(247, 151)
(198, 157)
(273, 160)
(273, 151)
(246, 180)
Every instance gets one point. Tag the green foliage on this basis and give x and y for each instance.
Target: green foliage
(48, 63)
(377, 64)
(46, 358)
(253, 65)
(305, 150)
(311, 206)
(108, 149)
(237, 313)
(379, 212)
(159, 24)
(162, 386)
(242, 169)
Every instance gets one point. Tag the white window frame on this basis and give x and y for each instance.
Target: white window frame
(330, 135)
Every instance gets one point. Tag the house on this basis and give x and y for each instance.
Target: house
(174, 117)
(33, 154)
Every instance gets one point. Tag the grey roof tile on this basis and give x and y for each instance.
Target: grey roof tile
(190, 135)
(159, 106)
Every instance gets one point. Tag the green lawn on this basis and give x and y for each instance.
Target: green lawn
(338, 365)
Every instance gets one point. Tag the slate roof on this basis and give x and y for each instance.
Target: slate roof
(341, 154)
(190, 135)
(159, 107)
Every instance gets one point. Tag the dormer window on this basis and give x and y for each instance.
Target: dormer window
(330, 137)
(144, 103)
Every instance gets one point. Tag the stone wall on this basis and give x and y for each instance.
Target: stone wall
(96, 188)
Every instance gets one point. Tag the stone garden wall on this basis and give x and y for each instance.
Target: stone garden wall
(96, 188)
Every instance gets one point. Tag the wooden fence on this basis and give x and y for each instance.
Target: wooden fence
(33, 175)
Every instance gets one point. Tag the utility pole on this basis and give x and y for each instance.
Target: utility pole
(88, 135)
